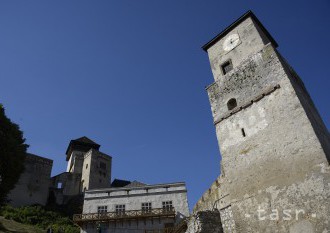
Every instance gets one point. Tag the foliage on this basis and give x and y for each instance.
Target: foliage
(38, 216)
(12, 154)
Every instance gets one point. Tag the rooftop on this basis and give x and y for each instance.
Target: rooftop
(248, 14)
(83, 143)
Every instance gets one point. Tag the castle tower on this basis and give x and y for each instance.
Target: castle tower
(84, 158)
(75, 153)
(275, 147)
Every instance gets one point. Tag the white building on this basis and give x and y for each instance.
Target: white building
(135, 207)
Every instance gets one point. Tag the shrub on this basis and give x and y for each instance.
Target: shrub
(38, 216)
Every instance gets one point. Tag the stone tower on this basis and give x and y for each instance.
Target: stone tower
(275, 147)
(75, 153)
(84, 158)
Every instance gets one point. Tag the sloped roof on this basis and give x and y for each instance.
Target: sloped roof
(135, 184)
(117, 183)
(85, 139)
(83, 143)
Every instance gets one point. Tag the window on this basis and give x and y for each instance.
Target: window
(231, 104)
(243, 132)
(226, 67)
(103, 165)
(146, 207)
(120, 209)
(59, 185)
(86, 166)
(102, 209)
(167, 205)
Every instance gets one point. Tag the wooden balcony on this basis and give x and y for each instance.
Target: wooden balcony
(126, 215)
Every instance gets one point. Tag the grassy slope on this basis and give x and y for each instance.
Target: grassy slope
(12, 226)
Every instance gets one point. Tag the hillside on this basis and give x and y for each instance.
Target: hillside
(13, 226)
(34, 219)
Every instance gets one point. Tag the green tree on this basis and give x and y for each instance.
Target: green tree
(12, 154)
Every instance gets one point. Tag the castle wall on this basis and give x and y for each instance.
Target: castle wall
(215, 198)
(64, 186)
(75, 164)
(96, 171)
(205, 222)
(313, 115)
(32, 186)
(85, 179)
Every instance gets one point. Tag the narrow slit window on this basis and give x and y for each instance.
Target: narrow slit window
(231, 104)
(243, 132)
(226, 67)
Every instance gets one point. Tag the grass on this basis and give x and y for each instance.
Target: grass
(34, 219)
(15, 227)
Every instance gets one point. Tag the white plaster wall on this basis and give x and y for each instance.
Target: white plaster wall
(86, 171)
(133, 201)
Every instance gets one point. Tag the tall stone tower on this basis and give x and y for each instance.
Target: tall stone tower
(85, 159)
(75, 153)
(275, 147)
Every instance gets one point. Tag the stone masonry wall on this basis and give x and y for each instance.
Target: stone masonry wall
(205, 222)
(277, 170)
(32, 186)
(216, 197)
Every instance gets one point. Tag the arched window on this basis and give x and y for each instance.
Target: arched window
(231, 104)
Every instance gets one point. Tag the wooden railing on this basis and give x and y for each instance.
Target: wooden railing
(181, 227)
(130, 214)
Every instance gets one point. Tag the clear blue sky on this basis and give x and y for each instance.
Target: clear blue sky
(131, 76)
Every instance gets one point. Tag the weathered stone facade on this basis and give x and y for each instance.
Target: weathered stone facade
(274, 145)
(205, 222)
(33, 184)
(88, 168)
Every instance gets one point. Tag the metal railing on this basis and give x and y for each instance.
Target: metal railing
(122, 215)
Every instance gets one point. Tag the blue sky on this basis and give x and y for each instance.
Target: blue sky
(131, 76)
